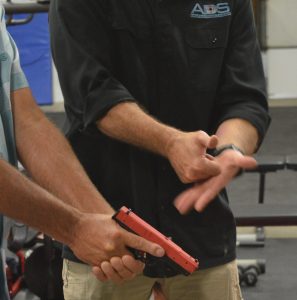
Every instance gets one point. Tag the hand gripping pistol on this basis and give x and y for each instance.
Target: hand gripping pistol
(175, 258)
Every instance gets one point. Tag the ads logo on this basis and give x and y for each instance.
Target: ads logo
(207, 11)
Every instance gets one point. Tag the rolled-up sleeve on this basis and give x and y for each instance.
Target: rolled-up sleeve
(82, 51)
(242, 92)
(17, 77)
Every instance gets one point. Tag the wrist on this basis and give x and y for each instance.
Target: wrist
(172, 139)
(230, 147)
(219, 150)
(75, 227)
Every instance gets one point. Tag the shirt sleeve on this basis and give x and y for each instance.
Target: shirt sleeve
(242, 92)
(82, 50)
(17, 78)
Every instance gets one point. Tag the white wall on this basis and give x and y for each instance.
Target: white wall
(281, 56)
(281, 23)
(282, 73)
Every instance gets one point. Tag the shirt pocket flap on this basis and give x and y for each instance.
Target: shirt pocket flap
(139, 30)
(206, 38)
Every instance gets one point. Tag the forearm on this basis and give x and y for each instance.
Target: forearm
(184, 150)
(240, 133)
(127, 122)
(23, 200)
(48, 157)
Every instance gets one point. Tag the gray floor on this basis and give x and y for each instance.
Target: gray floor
(280, 279)
(26, 295)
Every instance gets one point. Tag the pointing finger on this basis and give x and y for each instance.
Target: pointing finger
(139, 243)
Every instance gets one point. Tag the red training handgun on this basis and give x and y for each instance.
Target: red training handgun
(175, 257)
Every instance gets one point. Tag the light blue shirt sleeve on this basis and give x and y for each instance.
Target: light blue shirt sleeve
(12, 71)
(18, 79)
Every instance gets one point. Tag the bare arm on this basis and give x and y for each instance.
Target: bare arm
(49, 158)
(240, 133)
(186, 151)
(27, 202)
(129, 123)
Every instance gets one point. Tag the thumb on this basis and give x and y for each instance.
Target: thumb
(247, 162)
(207, 141)
(139, 243)
(202, 139)
(213, 142)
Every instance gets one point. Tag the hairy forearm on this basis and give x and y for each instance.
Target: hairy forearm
(127, 122)
(23, 200)
(49, 159)
(240, 133)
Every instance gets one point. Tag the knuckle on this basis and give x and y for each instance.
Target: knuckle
(201, 134)
(184, 179)
(117, 264)
(109, 247)
(138, 243)
(115, 235)
(114, 261)
(105, 267)
(189, 175)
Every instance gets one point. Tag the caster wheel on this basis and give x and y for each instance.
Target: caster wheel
(251, 277)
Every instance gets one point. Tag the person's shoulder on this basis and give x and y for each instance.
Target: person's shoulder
(241, 3)
(68, 6)
(1, 12)
(84, 2)
(238, 6)
(2, 20)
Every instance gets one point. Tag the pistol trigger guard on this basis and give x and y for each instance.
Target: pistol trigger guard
(139, 255)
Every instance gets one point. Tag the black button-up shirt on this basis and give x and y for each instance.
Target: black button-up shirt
(191, 64)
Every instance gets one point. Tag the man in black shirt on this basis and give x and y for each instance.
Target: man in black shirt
(147, 84)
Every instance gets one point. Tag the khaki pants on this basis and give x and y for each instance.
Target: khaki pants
(218, 283)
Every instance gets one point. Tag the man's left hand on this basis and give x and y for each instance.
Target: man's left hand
(201, 194)
(118, 269)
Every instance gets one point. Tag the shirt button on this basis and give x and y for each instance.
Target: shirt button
(214, 40)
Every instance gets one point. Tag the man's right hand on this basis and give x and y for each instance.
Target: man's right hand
(187, 154)
(99, 240)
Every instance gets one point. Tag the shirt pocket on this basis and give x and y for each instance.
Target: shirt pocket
(136, 28)
(133, 53)
(205, 50)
